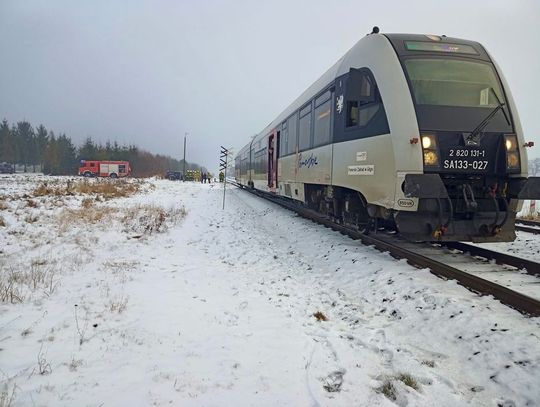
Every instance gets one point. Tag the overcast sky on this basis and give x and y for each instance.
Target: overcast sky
(147, 72)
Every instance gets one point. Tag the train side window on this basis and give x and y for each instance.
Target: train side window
(283, 140)
(352, 113)
(292, 138)
(366, 113)
(304, 129)
(363, 107)
(366, 94)
(322, 119)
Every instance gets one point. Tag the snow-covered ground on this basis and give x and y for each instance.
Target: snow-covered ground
(118, 306)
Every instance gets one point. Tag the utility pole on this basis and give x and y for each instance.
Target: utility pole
(184, 171)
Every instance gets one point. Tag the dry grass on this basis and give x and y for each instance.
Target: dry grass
(31, 203)
(31, 218)
(87, 203)
(7, 394)
(90, 215)
(44, 367)
(106, 188)
(388, 390)
(2, 221)
(18, 282)
(3, 205)
(408, 380)
(138, 220)
(118, 304)
(145, 220)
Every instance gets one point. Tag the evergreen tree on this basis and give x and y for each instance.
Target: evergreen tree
(41, 141)
(88, 151)
(25, 136)
(50, 156)
(7, 143)
(67, 156)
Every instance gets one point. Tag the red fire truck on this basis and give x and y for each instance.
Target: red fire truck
(112, 169)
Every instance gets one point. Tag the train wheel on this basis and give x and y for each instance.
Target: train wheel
(355, 214)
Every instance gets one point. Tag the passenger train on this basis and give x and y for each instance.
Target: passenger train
(415, 131)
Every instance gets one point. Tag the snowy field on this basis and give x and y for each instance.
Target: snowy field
(162, 298)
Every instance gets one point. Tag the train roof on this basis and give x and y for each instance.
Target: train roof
(342, 66)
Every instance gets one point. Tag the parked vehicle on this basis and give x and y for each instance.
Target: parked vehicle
(111, 169)
(174, 175)
(7, 168)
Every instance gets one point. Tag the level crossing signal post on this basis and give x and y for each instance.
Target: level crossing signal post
(223, 165)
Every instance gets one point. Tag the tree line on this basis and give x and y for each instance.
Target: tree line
(55, 154)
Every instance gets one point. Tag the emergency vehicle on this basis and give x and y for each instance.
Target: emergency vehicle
(111, 169)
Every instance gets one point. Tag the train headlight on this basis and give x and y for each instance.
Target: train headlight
(430, 150)
(431, 158)
(512, 152)
(428, 142)
(512, 160)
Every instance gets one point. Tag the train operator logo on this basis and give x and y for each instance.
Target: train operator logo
(339, 103)
(308, 162)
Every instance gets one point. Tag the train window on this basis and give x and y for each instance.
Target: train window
(321, 128)
(449, 82)
(283, 140)
(304, 129)
(364, 106)
(366, 113)
(305, 110)
(352, 113)
(364, 110)
(323, 98)
(365, 87)
(292, 139)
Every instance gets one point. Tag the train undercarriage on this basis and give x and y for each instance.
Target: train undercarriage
(477, 209)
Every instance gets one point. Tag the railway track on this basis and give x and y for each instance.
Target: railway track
(529, 226)
(425, 255)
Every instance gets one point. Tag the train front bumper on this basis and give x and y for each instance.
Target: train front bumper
(437, 220)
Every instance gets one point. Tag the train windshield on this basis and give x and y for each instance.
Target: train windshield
(453, 82)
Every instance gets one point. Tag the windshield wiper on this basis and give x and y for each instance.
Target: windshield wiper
(485, 122)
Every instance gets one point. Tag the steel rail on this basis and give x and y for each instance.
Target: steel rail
(528, 229)
(527, 222)
(522, 303)
(531, 267)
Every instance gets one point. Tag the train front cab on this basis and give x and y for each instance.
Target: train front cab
(473, 150)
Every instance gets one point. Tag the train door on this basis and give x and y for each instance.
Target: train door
(273, 151)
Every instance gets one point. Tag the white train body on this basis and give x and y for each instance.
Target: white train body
(354, 145)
